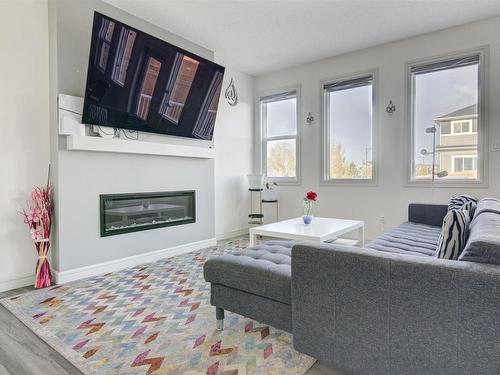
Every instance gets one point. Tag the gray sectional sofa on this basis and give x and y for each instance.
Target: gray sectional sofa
(389, 308)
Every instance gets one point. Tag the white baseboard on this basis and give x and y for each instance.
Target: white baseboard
(63, 277)
(234, 233)
(17, 283)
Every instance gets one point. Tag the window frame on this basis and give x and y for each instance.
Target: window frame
(101, 41)
(171, 85)
(119, 55)
(204, 125)
(463, 157)
(482, 121)
(140, 88)
(263, 139)
(471, 127)
(324, 149)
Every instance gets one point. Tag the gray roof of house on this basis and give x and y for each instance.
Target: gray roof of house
(466, 111)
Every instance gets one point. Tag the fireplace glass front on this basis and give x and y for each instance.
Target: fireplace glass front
(124, 213)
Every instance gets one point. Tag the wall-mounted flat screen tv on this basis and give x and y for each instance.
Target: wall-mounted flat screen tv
(138, 82)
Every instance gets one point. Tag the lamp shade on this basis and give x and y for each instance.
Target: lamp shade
(255, 181)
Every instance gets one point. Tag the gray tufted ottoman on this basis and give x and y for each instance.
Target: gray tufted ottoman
(255, 282)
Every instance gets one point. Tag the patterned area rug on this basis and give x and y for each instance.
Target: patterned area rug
(154, 319)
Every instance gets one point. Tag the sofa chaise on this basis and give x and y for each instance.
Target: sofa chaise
(389, 308)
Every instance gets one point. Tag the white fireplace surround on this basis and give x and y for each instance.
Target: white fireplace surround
(70, 111)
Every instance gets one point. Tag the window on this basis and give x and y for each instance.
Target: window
(348, 121)
(461, 127)
(123, 54)
(446, 119)
(464, 164)
(446, 128)
(178, 86)
(279, 136)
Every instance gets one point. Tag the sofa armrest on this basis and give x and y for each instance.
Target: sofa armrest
(430, 214)
(370, 312)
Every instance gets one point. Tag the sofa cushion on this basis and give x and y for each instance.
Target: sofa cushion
(429, 214)
(263, 270)
(453, 234)
(483, 245)
(408, 238)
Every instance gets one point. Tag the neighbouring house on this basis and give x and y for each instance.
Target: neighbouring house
(457, 145)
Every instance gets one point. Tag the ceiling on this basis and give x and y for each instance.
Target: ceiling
(258, 37)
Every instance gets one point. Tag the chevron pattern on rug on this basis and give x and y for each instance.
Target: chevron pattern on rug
(154, 319)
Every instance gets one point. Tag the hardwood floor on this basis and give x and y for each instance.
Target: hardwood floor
(24, 353)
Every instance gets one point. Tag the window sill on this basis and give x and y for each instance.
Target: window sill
(448, 184)
(350, 183)
(285, 182)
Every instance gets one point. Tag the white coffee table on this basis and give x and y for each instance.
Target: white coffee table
(321, 229)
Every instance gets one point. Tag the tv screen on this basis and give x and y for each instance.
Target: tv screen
(138, 82)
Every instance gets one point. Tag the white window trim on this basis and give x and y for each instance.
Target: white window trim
(125, 34)
(482, 118)
(324, 180)
(261, 159)
(453, 157)
(461, 122)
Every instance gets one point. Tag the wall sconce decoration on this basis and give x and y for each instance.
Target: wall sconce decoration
(309, 118)
(391, 108)
(231, 95)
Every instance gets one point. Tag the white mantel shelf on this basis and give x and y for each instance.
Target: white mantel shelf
(98, 144)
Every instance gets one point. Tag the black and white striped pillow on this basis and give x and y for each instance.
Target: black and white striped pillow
(457, 201)
(470, 207)
(464, 202)
(454, 234)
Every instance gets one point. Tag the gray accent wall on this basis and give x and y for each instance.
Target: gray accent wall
(80, 177)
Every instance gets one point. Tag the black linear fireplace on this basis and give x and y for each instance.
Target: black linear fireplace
(124, 213)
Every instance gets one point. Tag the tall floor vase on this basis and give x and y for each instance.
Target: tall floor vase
(43, 274)
(38, 218)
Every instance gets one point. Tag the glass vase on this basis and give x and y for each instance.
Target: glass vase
(308, 212)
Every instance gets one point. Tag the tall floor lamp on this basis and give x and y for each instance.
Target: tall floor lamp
(432, 130)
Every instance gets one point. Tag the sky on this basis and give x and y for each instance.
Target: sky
(438, 94)
(282, 115)
(351, 122)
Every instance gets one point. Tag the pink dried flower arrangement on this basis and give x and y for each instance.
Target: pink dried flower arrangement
(38, 218)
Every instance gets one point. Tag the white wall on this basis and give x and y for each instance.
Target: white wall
(24, 124)
(390, 197)
(233, 146)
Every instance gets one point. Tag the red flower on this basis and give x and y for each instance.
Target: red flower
(311, 196)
